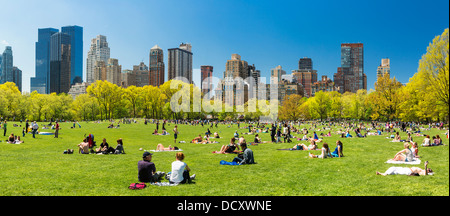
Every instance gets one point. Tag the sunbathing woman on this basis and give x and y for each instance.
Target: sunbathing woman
(325, 152)
(160, 147)
(197, 139)
(405, 154)
(300, 146)
(230, 148)
(413, 171)
(216, 135)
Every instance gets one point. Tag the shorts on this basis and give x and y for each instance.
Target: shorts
(175, 135)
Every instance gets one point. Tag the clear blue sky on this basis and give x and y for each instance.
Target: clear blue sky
(264, 33)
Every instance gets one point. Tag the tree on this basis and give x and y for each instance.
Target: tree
(290, 109)
(387, 99)
(320, 105)
(432, 77)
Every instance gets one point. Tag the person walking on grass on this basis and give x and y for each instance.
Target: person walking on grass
(175, 133)
(4, 128)
(56, 129)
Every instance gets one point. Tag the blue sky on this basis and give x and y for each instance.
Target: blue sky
(264, 33)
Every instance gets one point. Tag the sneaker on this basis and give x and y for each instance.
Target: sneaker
(192, 177)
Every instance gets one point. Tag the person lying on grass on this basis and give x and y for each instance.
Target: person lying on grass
(160, 147)
(325, 152)
(413, 171)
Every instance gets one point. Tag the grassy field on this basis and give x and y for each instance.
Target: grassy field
(38, 166)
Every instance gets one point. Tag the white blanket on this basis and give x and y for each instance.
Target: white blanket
(414, 162)
(164, 150)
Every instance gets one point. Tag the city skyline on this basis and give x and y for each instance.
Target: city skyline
(268, 34)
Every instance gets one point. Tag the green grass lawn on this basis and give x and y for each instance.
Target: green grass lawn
(38, 166)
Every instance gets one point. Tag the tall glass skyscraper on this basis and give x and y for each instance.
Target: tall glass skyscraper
(350, 76)
(60, 62)
(41, 81)
(6, 74)
(76, 52)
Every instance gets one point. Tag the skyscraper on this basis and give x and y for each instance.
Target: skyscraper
(6, 74)
(41, 81)
(60, 62)
(156, 66)
(350, 76)
(305, 63)
(384, 68)
(141, 74)
(206, 72)
(113, 71)
(17, 78)
(275, 74)
(76, 44)
(99, 51)
(180, 62)
(305, 75)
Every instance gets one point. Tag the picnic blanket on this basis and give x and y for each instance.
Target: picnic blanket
(414, 162)
(163, 184)
(222, 162)
(291, 149)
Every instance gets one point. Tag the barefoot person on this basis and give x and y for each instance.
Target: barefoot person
(413, 171)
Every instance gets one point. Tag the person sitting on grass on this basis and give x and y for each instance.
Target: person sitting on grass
(257, 139)
(246, 157)
(415, 149)
(119, 148)
(312, 146)
(147, 170)
(338, 150)
(180, 171)
(413, 171)
(230, 148)
(427, 141)
(197, 139)
(83, 147)
(104, 148)
(325, 152)
(11, 139)
(216, 135)
(405, 154)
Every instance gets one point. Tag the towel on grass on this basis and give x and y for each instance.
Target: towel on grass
(222, 162)
(163, 184)
(164, 150)
(415, 161)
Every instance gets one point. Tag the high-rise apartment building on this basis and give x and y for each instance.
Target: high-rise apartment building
(76, 52)
(141, 74)
(99, 71)
(305, 64)
(60, 62)
(305, 75)
(384, 68)
(128, 78)
(235, 67)
(41, 81)
(180, 62)
(206, 72)
(275, 74)
(99, 51)
(113, 71)
(156, 66)
(6, 74)
(350, 76)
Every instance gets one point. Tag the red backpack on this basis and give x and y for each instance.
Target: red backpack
(137, 186)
